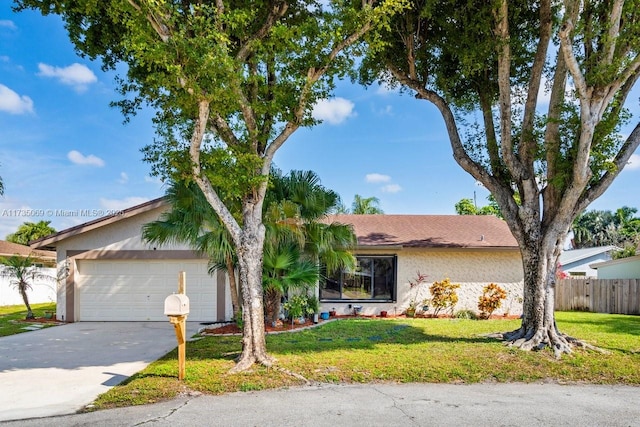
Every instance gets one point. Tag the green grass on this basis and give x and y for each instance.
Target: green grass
(11, 317)
(395, 350)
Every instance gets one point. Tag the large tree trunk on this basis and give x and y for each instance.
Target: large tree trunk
(254, 347)
(538, 328)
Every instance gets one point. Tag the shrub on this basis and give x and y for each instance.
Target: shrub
(466, 314)
(491, 300)
(443, 295)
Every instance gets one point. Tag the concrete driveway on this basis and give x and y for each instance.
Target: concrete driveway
(61, 369)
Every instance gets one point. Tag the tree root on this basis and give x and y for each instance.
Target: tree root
(293, 374)
(247, 360)
(534, 340)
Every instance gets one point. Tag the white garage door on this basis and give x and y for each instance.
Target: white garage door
(134, 290)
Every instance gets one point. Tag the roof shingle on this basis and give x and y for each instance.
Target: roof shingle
(429, 231)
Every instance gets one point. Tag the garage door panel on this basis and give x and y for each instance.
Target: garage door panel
(135, 290)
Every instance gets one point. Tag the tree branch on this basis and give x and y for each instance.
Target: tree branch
(614, 30)
(571, 61)
(203, 182)
(222, 128)
(528, 142)
(160, 28)
(504, 88)
(622, 158)
(278, 9)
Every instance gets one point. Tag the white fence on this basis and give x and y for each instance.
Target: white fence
(42, 291)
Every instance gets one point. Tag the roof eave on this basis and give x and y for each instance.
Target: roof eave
(52, 240)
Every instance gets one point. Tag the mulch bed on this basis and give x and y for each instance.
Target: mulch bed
(232, 328)
(39, 320)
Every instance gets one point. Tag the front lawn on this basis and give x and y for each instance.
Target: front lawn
(396, 350)
(12, 317)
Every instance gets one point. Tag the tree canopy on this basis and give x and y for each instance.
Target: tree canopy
(30, 231)
(230, 81)
(486, 66)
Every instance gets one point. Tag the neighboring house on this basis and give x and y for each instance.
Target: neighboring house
(623, 268)
(42, 291)
(110, 274)
(392, 249)
(576, 262)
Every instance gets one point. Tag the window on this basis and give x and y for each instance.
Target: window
(373, 279)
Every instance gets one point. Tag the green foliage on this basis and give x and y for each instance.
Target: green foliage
(468, 207)
(22, 272)
(600, 228)
(466, 314)
(443, 295)
(296, 306)
(30, 231)
(490, 300)
(628, 251)
(365, 205)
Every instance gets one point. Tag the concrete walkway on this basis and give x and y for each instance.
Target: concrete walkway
(384, 405)
(61, 369)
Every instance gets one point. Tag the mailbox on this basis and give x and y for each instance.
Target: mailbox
(176, 305)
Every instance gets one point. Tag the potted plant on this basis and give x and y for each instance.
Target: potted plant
(296, 307)
(313, 308)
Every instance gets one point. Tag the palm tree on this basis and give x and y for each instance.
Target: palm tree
(21, 271)
(298, 241)
(192, 221)
(365, 205)
(30, 231)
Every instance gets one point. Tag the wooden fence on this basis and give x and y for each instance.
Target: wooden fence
(620, 296)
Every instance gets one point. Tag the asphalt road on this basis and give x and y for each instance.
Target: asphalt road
(385, 405)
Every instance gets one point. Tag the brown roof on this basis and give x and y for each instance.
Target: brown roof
(8, 249)
(430, 231)
(51, 241)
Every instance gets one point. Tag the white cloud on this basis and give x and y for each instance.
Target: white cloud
(127, 202)
(634, 162)
(5, 23)
(13, 103)
(334, 111)
(391, 188)
(80, 159)
(124, 178)
(377, 177)
(77, 75)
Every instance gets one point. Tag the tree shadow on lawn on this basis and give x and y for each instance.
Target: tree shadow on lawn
(331, 337)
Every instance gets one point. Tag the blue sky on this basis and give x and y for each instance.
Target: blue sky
(64, 151)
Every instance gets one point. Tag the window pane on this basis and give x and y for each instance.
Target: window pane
(331, 287)
(357, 285)
(383, 278)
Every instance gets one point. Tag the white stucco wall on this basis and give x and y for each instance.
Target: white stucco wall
(471, 268)
(42, 291)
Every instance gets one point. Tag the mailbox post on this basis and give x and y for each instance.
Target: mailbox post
(176, 306)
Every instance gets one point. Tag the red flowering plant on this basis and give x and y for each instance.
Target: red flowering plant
(414, 286)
